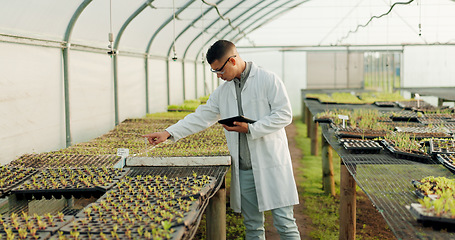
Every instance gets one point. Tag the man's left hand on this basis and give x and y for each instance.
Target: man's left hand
(241, 127)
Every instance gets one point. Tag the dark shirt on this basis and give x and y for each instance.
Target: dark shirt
(244, 151)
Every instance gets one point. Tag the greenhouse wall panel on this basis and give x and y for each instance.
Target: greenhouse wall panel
(295, 80)
(190, 88)
(91, 95)
(31, 100)
(200, 80)
(208, 79)
(157, 85)
(175, 82)
(292, 71)
(131, 87)
(269, 60)
(428, 66)
(340, 79)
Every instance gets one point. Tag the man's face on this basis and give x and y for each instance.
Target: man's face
(224, 68)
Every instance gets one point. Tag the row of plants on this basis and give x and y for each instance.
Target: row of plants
(26, 226)
(58, 182)
(337, 97)
(46, 160)
(128, 134)
(353, 98)
(188, 105)
(12, 176)
(372, 124)
(71, 178)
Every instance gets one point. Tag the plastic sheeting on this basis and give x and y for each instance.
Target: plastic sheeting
(429, 66)
(31, 101)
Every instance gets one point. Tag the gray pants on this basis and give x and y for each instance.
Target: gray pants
(283, 218)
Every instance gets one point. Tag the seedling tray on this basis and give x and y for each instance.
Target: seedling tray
(384, 104)
(322, 119)
(361, 146)
(69, 182)
(442, 146)
(359, 133)
(178, 233)
(404, 116)
(38, 236)
(410, 104)
(421, 194)
(447, 160)
(58, 193)
(56, 224)
(428, 217)
(423, 157)
(11, 177)
(424, 132)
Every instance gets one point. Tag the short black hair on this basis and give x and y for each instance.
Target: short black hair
(218, 50)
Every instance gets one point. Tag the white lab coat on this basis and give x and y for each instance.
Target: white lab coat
(265, 100)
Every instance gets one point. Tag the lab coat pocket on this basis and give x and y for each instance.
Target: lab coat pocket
(269, 151)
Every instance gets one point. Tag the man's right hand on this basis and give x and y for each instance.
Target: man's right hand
(157, 137)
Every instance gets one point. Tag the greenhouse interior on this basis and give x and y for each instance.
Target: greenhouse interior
(370, 86)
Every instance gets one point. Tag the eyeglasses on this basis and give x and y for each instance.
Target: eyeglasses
(219, 70)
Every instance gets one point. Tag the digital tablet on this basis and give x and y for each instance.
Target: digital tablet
(230, 121)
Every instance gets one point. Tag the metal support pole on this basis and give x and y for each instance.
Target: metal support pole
(387, 73)
(328, 181)
(195, 79)
(183, 80)
(146, 65)
(216, 215)
(114, 69)
(393, 72)
(69, 30)
(347, 67)
(347, 205)
(168, 79)
(380, 83)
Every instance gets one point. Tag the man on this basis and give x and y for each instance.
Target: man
(262, 177)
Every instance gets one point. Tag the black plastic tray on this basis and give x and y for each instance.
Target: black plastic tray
(423, 158)
(368, 146)
(427, 217)
(230, 121)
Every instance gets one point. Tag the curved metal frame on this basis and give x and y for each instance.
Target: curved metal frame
(267, 20)
(65, 50)
(115, 60)
(200, 34)
(149, 45)
(180, 34)
(244, 12)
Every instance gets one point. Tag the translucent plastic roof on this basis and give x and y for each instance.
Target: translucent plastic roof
(360, 22)
(149, 27)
